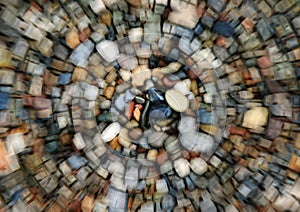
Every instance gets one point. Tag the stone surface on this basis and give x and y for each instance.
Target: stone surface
(176, 100)
(108, 50)
(111, 131)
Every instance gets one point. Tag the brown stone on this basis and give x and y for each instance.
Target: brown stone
(135, 133)
(72, 39)
(109, 92)
(294, 163)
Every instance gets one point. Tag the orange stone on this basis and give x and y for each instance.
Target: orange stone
(72, 39)
(294, 163)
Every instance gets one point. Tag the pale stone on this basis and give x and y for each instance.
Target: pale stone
(140, 75)
(111, 132)
(108, 50)
(256, 117)
(183, 86)
(176, 100)
(124, 138)
(126, 75)
(182, 167)
(91, 93)
(198, 165)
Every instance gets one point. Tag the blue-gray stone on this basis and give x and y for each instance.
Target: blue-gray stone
(64, 79)
(76, 161)
(155, 95)
(223, 28)
(4, 100)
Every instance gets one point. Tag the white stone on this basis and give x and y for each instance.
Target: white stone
(108, 50)
(176, 100)
(182, 167)
(161, 186)
(91, 93)
(111, 131)
(183, 86)
(135, 34)
(198, 165)
(187, 124)
(126, 75)
(78, 141)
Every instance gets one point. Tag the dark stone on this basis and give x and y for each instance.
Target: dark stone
(160, 111)
(223, 28)
(4, 100)
(155, 95)
(198, 29)
(111, 33)
(51, 147)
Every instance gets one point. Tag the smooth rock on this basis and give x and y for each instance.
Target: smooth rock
(91, 92)
(72, 39)
(256, 117)
(135, 133)
(111, 131)
(198, 166)
(155, 95)
(124, 139)
(176, 100)
(183, 86)
(182, 167)
(140, 75)
(125, 75)
(197, 142)
(156, 139)
(108, 50)
(187, 124)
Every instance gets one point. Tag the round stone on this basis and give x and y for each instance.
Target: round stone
(111, 131)
(176, 100)
(182, 167)
(108, 50)
(198, 165)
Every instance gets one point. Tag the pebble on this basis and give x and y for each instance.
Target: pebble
(182, 167)
(91, 92)
(255, 117)
(197, 142)
(140, 75)
(198, 166)
(176, 100)
(108, 50)
(183, 86)
(109, 92)
(124, 138)
(126, 75)
(135, 133)
(111, 131)
(156, 139)
(72, 39)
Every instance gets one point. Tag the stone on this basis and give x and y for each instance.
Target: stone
(182, 167)
(197, 142)
(72, 39)
(156, 139)
(109, 92)
(223, 28)
(124, 138)
(198, 166)
(91, 92)
(111, 131)
(161, 186)
(255, 117)
(140, 75)
(80, 55)
(176, 100)
(108, 50)
(64, 79)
